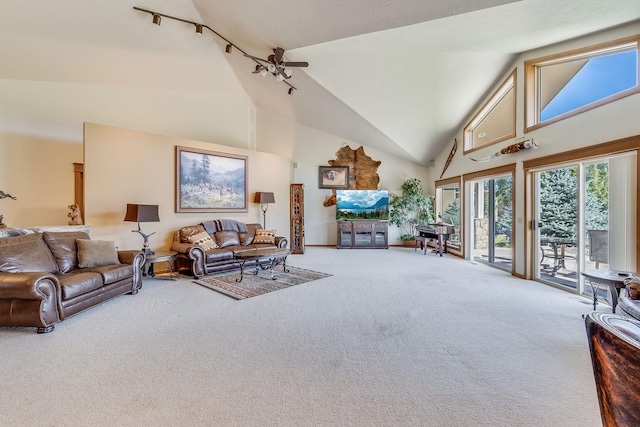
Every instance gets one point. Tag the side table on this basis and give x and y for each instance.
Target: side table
(167, 256)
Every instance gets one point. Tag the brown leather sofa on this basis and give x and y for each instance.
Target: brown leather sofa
(229, 237)
(42, 281)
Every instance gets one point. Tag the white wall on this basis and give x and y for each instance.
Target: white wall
(314, 148)
(125, 166)
(607, 123)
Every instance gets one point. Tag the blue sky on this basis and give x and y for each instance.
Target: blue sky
(600, 77)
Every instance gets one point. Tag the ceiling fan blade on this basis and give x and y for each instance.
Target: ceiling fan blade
(296, 64)
(278, 53)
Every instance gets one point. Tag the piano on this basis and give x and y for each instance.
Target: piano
(440, 232)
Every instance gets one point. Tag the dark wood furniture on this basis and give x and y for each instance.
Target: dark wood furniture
(614, 279)
(167, 256)
(266, 259)
(439, 232)
(363, 234)
(297, 218)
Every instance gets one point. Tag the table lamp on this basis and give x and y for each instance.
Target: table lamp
(142, 213)
(264, 199)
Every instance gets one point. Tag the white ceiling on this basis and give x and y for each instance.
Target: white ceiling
(398, 75)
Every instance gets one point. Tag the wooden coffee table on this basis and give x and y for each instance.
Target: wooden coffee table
(273, 256)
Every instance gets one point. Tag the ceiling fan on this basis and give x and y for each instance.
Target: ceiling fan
(276, 65)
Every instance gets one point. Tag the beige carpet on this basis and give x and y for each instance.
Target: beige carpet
(392, 338)
(247, 285)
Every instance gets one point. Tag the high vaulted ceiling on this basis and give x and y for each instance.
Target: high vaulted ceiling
(401, 76)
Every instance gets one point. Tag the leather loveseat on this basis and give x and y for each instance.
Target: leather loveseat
(46, 277)
(209, 247)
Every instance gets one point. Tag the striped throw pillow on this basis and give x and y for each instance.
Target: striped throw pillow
(203, 240)
(265, 236)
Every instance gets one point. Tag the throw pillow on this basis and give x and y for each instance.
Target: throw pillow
(203, 240)
(265, 236)
(227, 238)
(95, 253)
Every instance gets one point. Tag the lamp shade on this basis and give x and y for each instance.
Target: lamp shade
(142, 213)
(262, 197)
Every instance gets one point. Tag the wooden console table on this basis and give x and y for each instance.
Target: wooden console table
(363, 234)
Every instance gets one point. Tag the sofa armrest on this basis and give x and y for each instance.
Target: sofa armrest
(195, 254)
(28, 285)
(30, 299)
(281, 242)
(133, 257)
(181, 248)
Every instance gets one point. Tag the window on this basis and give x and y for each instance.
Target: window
(569, 83)
(496, 120)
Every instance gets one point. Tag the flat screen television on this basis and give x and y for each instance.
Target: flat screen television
(362, 204)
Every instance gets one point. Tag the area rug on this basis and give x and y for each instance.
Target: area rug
(254, 285)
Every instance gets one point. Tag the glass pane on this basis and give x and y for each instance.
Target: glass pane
(449, 206)
(480, 221)
(503, 224)
(575, 84)
(596, 215)
(558, 218)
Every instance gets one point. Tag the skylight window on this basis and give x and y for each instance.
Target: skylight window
(564, 85)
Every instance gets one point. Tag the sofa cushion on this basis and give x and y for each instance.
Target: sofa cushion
(79, 282)
(227, 238)
(64, 248)
(265, 236)
(93, 253)
(247, 238)
(113, 273)
(26, 254)
(190, 230)
(203, 240)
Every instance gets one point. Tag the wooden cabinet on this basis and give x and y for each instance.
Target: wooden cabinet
(297, 218)
(363, 234)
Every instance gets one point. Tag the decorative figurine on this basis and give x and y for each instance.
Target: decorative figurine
(76, 218)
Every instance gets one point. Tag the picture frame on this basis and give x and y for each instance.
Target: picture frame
(210, 181)
(335, 177)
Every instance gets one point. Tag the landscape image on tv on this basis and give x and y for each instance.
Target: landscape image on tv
(362, 204)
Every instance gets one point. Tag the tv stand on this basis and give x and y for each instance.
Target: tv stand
(363, 234)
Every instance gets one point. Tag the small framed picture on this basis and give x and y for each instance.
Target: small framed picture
(333, 177)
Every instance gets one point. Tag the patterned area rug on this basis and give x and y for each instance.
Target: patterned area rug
(259, 284)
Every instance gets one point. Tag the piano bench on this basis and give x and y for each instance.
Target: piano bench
(421, 242)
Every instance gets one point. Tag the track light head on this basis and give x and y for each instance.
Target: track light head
(229, 48)
(198, 28)
(156, 19)
(290, 92)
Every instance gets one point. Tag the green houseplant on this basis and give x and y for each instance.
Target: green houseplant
(410, 208)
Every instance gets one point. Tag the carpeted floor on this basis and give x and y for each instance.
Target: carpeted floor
(392, 338)
(252, 285)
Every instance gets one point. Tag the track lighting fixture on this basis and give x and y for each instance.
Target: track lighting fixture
(280, 73)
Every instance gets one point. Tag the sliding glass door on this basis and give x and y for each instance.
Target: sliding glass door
(493, 221)
(582, 223)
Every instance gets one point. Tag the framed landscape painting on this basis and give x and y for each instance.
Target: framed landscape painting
(208, 181)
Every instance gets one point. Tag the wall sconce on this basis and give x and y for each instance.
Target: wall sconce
(264, 199)
(142, 213)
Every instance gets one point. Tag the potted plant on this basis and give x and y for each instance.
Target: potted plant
(409, 209)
